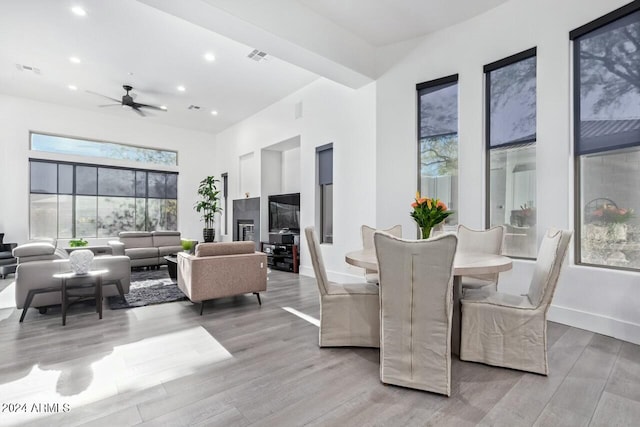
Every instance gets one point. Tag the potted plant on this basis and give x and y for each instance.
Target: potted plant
(78, 243)
(208, 206)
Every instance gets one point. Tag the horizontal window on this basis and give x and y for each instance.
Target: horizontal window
(110, 150)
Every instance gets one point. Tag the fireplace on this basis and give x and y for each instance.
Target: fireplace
(246, 220)
(246, 230)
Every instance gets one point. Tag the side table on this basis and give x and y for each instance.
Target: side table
(93, 279)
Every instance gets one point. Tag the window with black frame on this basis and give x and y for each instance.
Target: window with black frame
(70, 200)
(511, 151)
(325, 189)
(606, 55)
(438, 141)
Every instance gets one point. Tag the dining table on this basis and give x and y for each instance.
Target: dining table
(464, 264)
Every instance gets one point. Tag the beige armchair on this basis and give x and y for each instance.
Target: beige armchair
(349, 313)
(509, 330)
(416, 307)
(219, 270)
(367, 232)
(484, 242)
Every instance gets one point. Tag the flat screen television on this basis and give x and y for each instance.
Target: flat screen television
(284, 212)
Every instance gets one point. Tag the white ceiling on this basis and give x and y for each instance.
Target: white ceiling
(156, 45)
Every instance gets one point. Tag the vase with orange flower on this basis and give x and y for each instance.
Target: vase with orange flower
(428, 212)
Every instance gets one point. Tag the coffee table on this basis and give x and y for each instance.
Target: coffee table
(172, 266)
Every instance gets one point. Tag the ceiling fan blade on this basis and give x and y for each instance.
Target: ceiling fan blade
(104, 96)
(138, 111)
(110, 105)
(153, 107)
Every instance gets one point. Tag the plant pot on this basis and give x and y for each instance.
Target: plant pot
(208, 234)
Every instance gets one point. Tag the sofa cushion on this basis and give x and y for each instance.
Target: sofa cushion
(169, 250)
(225, 248)
(136, 239)
(138, 253)
(166, 238)
(34, 249)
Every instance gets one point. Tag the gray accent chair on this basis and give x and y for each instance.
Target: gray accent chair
(349, 313)
(483, 242)
(416, 308)
(38, 262)
(147, 249)
(367, 232)
(510, 330)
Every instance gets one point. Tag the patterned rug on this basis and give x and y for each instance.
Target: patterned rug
(148, 287)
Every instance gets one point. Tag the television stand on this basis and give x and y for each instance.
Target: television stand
(281, 256)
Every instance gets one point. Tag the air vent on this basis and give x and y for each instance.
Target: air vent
(23, 67)
(258, 55)
(193, 107)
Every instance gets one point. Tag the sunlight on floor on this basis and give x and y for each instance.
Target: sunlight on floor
(135, 366)
(303, 316)
(7, 298)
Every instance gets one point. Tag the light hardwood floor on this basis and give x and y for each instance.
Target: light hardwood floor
(242, 364)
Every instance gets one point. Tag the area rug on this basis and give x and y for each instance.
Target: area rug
(148, 287)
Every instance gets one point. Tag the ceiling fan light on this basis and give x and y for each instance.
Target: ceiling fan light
(163, 107)
(72, 87)
(209, 57)
(74, 59)
(79, 11)
(214, 113)
(181, 88)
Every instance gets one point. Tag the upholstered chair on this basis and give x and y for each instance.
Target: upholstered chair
(509, 330)
(416, 307)
(349, 313)
(371, 276)
(484, 242)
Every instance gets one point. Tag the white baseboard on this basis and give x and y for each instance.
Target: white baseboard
(604, 325)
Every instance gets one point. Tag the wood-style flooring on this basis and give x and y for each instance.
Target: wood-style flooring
(242, 364)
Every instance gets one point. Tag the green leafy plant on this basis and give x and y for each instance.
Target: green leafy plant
(78, 243)
(209, 203)
(428, 213)
(187, 245)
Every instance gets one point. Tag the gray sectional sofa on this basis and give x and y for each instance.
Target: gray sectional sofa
(147, 249)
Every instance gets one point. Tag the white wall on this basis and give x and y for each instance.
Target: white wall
(291, 171)
(19, 116)
(332, 113)
(601, 300)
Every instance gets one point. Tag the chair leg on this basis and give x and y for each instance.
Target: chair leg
(258, 295)
(201, 308)
(27, 303)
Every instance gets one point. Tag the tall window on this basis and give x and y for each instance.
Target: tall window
(511, 150)
(325, 187)
(606, 54)
(70, 200)
(225, 192)
(438, 141)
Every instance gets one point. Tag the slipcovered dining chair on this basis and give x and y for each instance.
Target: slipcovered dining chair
(349, 313)
(371, 276)
(509, 330)
(416, 307)
(484, 242)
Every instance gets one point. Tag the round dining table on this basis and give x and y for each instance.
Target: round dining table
(464, 264)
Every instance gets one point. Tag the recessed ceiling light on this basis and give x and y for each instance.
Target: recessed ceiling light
(163, 107)
(181, 88)
(72, 87)
(209, 57)
(77, 10)
(74, 59)
(214, 113)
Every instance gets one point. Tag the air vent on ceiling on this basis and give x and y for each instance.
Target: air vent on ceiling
(258, 55)
(23, 67)
(193, 107)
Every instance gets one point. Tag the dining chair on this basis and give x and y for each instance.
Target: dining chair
(484, 242)
(371, 276)
(349, 313)
(509, 330)
(416, 307)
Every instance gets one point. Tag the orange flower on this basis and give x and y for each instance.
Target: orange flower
(422, 200)
(442, 205)
(414, 204)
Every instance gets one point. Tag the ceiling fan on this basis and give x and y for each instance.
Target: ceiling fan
(127, 101)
